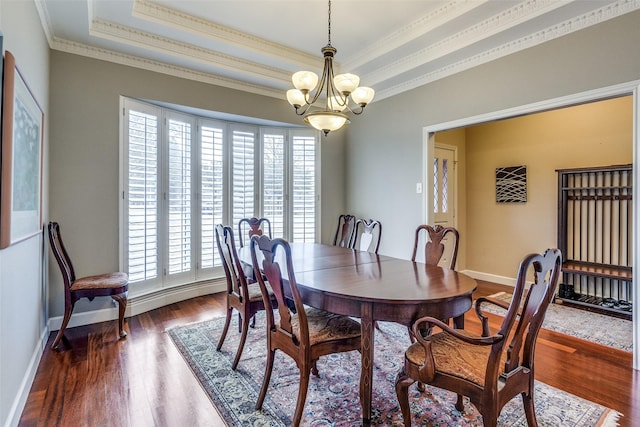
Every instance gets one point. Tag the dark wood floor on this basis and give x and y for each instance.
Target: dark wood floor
(143, 381)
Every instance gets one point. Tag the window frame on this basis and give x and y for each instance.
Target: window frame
(197, 272)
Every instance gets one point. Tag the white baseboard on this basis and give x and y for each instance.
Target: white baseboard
(142, 303)
(13, 417)
(501, 280)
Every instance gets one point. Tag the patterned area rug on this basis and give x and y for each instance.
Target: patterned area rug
(594, 327)
(332, 399)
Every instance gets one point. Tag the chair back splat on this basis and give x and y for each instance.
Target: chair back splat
(366, 235)
(114, 285)
(248, 227)
(438, 238)
(303, 333)
(344, 232)
(493, 368)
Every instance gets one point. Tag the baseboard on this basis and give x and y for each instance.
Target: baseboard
(142, 303)
(501, 280)
(17, 407)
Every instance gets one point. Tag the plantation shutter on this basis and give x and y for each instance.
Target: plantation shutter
(304, 198)
(141, 187)
(211, 190)
(243, 176)
(273, 180)
(178, 197)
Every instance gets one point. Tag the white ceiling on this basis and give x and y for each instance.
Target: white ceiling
(255, 45)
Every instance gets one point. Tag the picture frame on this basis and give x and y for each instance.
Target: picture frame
(21, 158)
(511, 184)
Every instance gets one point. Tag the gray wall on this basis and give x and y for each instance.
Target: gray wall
(385, 144)
(84, 153)
(23, 293)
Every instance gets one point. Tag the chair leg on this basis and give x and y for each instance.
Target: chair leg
(529, 409)
(403, 381)
(65, 321)
(122, 307)
(460, 403)
(267, 377)
(243, 337)
(302, 395)
(225, 329)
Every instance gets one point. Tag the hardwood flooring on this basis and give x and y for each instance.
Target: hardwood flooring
(143, 381)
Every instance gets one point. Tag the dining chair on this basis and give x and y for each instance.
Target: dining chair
(493, 368)
(438, 238)
(243, 294)
(248, 227)
(114, 285)
(346, 224)
(366, 235)
(304, 335)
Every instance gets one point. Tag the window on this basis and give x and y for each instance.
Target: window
(183, 174)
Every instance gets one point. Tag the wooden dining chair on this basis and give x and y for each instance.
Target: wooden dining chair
(243, 294)
(493, 368)
(248, 227)
(304, 335)
(114, 285)
(366, 235)
(346, 225)
(434, 248)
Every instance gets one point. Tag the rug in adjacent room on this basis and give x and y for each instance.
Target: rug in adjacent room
(595, 327)
(332, 399)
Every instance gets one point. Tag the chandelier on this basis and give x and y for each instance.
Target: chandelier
(337, 92)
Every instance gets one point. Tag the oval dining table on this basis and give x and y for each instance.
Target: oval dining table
(376, 288)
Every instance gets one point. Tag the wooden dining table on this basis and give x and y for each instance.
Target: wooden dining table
(376, 288)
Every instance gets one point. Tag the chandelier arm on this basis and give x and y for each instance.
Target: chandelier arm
(323, 81)
(300, 111)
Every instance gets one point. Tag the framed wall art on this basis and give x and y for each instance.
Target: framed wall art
(21, 173)
(511, 184)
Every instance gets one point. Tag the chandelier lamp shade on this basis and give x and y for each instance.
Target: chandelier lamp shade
(334, 95)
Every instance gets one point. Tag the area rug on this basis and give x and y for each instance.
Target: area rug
(332, 398)
(587, 325)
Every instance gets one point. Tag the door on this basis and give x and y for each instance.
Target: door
(444, 197)
(444, 177)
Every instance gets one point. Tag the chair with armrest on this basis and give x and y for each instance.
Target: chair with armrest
(304, 335)
(114, 285)
(438, 239)
(366, 235)
(248, 227)
(346, 225)
(490, 369)
(243, 294)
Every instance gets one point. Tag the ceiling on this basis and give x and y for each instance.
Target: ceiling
(255, 45)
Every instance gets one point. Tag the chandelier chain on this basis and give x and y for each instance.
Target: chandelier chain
(329, 25)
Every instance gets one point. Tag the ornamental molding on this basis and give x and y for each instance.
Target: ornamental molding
(154, 12)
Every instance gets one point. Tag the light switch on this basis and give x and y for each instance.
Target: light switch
(418, 187)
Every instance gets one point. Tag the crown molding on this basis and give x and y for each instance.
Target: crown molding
(151, 11)
(279, 78)
(134, 37)
(160, 67)
(473, 34)
(583, 21)
(421, 26)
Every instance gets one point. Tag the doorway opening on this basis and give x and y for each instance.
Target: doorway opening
(629, 90)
